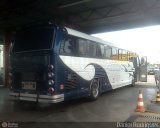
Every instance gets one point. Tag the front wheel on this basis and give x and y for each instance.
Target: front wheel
(94, 90)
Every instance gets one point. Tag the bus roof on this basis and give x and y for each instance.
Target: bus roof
(86, 36)
(92, 38)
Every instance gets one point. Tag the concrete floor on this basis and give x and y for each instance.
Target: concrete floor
(114, 106)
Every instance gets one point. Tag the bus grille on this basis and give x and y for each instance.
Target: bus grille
(71, 83)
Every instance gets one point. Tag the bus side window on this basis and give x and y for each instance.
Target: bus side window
(91, 49)
(124, 55)
(120, 54)
(82, 44)
(100, 50)
(114, 53)
(108, 52)
(68, 46)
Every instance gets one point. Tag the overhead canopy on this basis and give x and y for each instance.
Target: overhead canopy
(90, 16)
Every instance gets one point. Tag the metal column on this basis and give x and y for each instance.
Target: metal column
(7, 44)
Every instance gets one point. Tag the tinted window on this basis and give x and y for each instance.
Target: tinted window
(108, 52)
(82, 47)
(75, 46)
(33, 39)
(92, 49)
(69, 46)
(100, 50)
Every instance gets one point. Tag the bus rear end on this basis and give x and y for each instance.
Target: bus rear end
(32, 66)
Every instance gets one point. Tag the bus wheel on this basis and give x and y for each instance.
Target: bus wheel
(94, 90)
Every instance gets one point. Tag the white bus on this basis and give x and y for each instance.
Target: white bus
(53, 64)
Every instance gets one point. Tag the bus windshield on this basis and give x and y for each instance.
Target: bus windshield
(33, 39)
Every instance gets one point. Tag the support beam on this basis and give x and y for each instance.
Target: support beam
(7, 44)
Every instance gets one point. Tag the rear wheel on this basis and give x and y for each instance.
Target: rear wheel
(94, 90)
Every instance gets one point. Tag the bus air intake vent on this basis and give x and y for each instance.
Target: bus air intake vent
(71, 83)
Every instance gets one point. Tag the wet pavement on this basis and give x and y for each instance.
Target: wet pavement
(113, 106)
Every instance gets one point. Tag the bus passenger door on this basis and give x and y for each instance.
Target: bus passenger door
(143, 69)
(136, 64)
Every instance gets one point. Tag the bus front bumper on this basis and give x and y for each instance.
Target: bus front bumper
(38, 98)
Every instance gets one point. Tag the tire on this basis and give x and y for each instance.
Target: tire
(94, 90)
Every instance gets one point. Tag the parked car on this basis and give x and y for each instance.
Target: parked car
(151, 71)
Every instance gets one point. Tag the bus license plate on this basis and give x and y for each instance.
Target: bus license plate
(29, 85)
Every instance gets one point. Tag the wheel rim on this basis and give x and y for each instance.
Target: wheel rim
(95, 90)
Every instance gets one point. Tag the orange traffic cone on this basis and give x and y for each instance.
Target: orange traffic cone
(158, 97)
(140, 105)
